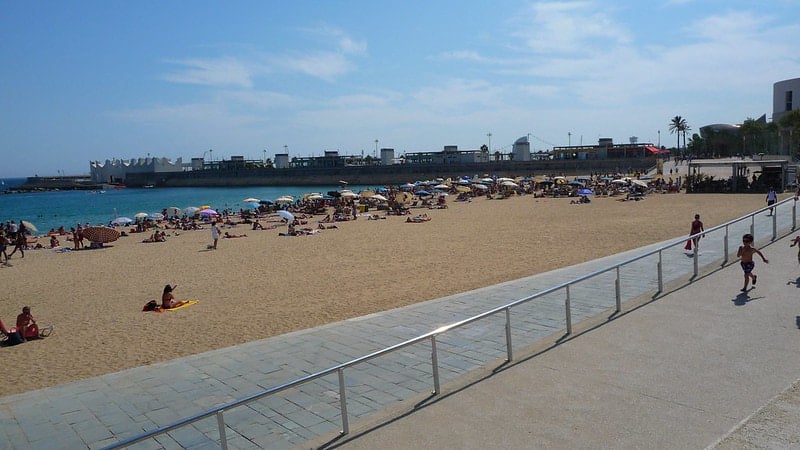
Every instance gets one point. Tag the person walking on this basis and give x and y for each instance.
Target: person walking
(772, 197)
(697, 227)
(746, 252)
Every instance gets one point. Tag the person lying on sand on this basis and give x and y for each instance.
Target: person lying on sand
(231, 236)
(418, 219)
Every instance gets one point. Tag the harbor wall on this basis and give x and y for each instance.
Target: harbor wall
(383, 175)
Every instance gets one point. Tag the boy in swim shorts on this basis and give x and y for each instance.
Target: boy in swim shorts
(746, 251)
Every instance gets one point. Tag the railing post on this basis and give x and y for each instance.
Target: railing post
(794, 214)
(509, 352)
(725, 241)
(223, 440)
(696, 257)
(660, 274)
(775, 223)
(618, 291)
(343, 402)
(568, 312)
(435, 364)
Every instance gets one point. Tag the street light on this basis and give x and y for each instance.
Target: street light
(265, 156)
(376, 148)
(211, 154)
(286, 149)
(489, 135)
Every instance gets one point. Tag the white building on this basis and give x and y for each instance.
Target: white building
(115, 170)
(783, 97)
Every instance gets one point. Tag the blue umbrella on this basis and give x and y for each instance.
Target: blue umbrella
(423, 193)
(585, 192)
(252, 205)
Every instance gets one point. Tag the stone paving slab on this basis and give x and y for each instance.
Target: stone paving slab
(99, 411)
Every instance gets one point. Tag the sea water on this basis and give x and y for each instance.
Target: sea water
(52, 209)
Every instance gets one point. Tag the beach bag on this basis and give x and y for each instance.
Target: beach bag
(688, 245)
(150, 306)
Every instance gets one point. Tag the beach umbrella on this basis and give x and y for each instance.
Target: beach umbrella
(141, 215)
(403, 197)
(379, 198)
(463, 182)
(205, 207)
(156, 216)
(442, 186)
(192, 210)
(639, 183)
(407, 186)
(575, 183)
(265, 201)
(286, 215)
(585, 192)
(481, 187)
(252, 205)
(101, 235)
(208, 212)
(366, 194)
(250, 200)
(284, 199)
(509, 184)
(29, 226)
(423, 193)
(502, 179)
(315, 196)
(349, 194)
(619, 181)
(463, 189)
(121, 221)
(174, 211)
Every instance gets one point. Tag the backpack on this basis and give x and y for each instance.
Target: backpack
(150, 306)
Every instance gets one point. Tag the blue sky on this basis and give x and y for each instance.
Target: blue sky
(91, 80)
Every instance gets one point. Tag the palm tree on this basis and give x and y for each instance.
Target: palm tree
(679, 126)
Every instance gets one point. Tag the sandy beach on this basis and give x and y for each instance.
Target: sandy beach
(264, 284)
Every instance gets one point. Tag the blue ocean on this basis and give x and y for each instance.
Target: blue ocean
(48, 210)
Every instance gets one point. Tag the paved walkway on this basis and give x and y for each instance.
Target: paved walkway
(100, 411)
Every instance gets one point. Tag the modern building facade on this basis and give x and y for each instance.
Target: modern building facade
(785, 97)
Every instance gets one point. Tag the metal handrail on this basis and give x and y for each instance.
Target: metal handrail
(339, 369)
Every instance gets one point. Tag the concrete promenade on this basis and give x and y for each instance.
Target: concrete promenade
(678, 372)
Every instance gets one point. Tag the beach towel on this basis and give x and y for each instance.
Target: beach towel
(184, 304)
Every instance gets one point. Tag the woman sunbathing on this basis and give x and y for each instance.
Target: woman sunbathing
(168, 300)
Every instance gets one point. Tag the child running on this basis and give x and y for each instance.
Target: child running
(746, 251)
(796, 241)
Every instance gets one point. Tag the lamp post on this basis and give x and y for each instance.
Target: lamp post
(376, 149)
(286, 149)
(489, 135)
(659, 139)
(569, 139)
(211, 154)
(265, 156)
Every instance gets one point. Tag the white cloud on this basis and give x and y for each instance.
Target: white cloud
(323, 65)
(211, 72)
(570, 27)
